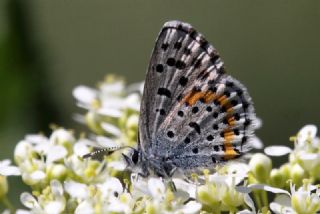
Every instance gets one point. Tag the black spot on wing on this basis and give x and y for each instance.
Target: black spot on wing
(195, 126)
(164, 92)
(183, 81)
(159, 68)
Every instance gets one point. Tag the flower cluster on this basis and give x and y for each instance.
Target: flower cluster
(112, 109)
(62, 181)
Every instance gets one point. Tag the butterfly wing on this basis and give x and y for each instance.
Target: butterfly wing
(178, 50)
(192, 112)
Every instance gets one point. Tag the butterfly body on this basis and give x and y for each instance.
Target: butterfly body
(193, 115)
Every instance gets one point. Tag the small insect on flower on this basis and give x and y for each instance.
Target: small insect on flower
(193, 114)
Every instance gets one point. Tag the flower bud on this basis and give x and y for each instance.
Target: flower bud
(22, 151)
(260, 166)
(62, 137)
(297, 174)
(56, 171)
(277, 179)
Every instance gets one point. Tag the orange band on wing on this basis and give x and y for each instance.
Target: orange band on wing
(209, 97)
(230, 153)
(194, 96)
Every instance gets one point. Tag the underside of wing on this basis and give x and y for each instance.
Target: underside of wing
(216, 124)
(180, 58)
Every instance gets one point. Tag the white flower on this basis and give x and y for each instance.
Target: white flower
(6, 169)
(304, 200)
(91, 171)
(156, 188)
(308, 132)
(124, 203)
(85, 95)
(85, 207)
(111, 187)
(51, 201)
(76, 190)
(62, 137)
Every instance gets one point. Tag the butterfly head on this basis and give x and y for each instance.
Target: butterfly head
(132, 159)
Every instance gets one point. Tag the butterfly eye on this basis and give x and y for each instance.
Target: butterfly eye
(135, 156)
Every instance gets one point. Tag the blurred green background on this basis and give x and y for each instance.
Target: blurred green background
(49, 47)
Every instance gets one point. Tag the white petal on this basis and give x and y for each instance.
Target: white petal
(37, 175)
(309, 156)
(54, 207)
(191, 207)
(249, 202)
(76, 190)
(87, 142)
(56, 153)
(243, 189)
(61, 136)
(36, 139)
(42, 148)
(279, 209)
(116, 206)
(112, 129)
(140, 185)
(111, 186)
(22, 151)
(117, 165)
(246, 211)
(9, 170)
(5, 162)
(21, 211)
(237, 172)
(277, 150)
(110, 112)
(28, 200)
(84, 94)
(56, 188)
(190, 188)
(268, 188)
(85, 207)
(133, 102)
(80, 149)
(106, 142)
(156, 187)
(132, 88)
(112, 88)
(306, 132)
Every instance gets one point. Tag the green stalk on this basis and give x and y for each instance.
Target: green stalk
(264, 197)
(257, 199)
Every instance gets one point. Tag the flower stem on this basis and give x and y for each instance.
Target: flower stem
(264, 197)
(257, 198)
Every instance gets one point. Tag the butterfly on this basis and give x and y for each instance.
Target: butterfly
(193, 114)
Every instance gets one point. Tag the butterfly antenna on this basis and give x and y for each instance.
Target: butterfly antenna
(100, 153)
